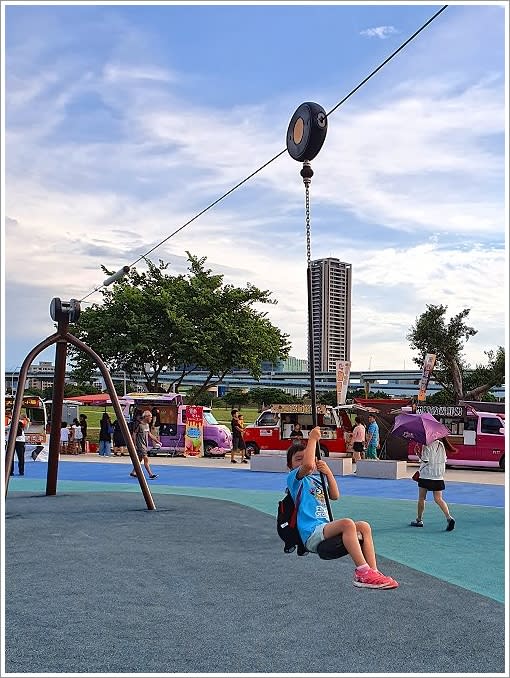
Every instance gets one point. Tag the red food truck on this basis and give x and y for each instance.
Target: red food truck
(272, 429)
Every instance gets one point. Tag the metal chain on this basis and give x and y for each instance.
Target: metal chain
(307, 213)
(307, 174)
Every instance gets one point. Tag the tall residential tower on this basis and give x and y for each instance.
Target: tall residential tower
(331, 303)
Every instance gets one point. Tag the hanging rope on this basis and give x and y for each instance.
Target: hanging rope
(307, 174)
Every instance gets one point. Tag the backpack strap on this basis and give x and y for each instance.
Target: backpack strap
(293, 518)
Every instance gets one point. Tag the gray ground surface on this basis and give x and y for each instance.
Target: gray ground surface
(95, 583)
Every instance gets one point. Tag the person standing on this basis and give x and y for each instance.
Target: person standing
(372, 438)
(141, 435)
(358, 439)
(64, 438)
(19, 448)
(237, 438)
(296, 435)
(240, 419)
(156, 423)
(119, 444)
(83, 426)
(105, 436)
(75, 443)
(432, 470)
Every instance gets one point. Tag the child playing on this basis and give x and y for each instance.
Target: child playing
(312, 517)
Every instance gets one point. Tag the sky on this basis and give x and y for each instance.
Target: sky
(124, 121)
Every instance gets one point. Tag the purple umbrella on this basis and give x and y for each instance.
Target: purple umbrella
(421, 428)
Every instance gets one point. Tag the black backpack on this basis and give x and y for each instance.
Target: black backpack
(286, 524)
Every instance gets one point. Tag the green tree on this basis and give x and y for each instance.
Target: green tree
(150, 320)
(263, 397)
(236, 397)
(381, 395)
(83, 371)
(433, 334)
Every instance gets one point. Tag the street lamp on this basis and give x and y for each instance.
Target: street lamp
(12, 379)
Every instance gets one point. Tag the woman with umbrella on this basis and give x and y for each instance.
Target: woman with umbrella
(432, 469)
(425, 429)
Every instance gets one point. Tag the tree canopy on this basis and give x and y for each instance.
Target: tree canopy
(151, 320)
(432, 333)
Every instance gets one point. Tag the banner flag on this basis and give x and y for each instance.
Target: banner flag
(428, 366)
(343, 371)
(194, 433)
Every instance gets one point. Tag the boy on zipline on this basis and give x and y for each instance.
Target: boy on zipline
(312, 516)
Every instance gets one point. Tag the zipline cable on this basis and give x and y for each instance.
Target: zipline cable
(342, 101)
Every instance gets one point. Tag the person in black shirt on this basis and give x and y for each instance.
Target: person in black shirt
(237, 438)
(296, 433)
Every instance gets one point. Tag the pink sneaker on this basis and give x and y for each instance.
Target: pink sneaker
(370, 579)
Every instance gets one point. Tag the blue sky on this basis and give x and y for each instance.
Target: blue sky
(122, 122)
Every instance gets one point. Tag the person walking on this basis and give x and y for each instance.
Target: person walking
(358, 439)
(372, 438)
(141, 434)
(105, 435)
(432, 470)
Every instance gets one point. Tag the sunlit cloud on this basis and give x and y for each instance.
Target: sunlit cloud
(409, 188)
(381, 32)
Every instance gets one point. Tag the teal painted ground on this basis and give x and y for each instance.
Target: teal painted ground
(472, 556)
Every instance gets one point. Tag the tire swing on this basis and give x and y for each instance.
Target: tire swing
(305, 136)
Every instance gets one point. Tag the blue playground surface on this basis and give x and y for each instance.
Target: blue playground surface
(475, 546)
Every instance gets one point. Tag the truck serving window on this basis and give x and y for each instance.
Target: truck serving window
(490, 425)
(267, 419)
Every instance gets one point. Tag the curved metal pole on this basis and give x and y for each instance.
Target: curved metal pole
(120, 417)
(11, 440)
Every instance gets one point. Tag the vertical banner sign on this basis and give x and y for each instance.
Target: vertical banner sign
(428, 366)
(194, 434)
(343, 371)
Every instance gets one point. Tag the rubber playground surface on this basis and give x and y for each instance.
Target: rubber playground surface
(96, 583)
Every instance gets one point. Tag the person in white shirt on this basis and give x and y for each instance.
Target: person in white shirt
(432, 470)
(64, 437)
(76, 436)
(19, 448)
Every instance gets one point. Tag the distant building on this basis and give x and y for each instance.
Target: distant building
(292, 364)
(331, 304)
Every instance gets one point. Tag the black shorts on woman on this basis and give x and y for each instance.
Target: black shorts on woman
(431, 485)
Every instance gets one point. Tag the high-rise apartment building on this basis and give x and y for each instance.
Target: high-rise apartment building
(331, 304)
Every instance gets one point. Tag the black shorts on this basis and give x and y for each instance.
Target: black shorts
(238, 442)
(357, 447)
(432, 485)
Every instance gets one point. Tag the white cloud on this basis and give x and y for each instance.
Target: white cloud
(381, 32)
(405, 178)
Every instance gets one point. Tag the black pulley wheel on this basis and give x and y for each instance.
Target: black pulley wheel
(307, 131)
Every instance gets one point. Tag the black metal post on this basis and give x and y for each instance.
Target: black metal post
(56, 407)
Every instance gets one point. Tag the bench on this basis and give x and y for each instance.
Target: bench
(381, 468)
